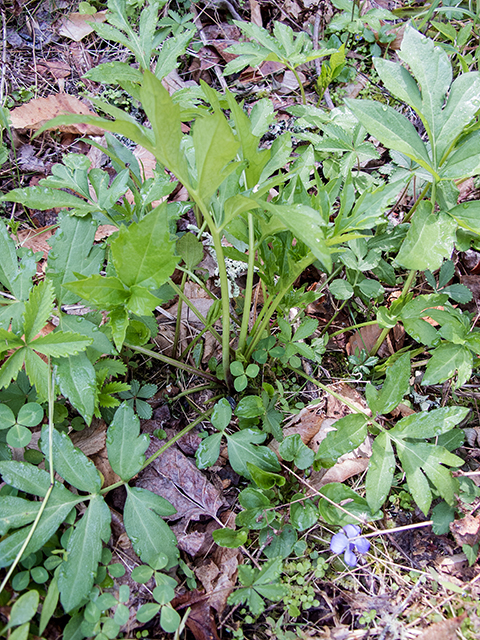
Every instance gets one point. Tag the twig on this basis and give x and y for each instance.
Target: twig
(4, 59)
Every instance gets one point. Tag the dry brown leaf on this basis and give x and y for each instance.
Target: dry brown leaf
(176, 478)
(100, 460)
(466, 530)
(199, 299)
(445, 630)
(218, 575)
(37, 112)
(173, 82)
(76, 27)
(92, 439)
(57, 68)
(104, 231)
(256, 13)
(36, 239)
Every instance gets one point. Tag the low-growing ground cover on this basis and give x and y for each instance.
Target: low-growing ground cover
(238, 320)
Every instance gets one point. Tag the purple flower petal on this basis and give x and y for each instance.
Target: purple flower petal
(338, 543)
(362, 545)
(351, 530)
(349, 556)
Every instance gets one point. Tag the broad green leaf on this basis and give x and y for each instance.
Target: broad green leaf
(143, 253)
(100, 344)
(464, 161)
(243, 447)
(23, 609)
(417, 458)
(164, 116)
(462, 105)
(380, 472)
(169, 56)
(125, 445)
(38, 309)
(391, 129)
(60, 344)
(429, 425)
(59, 505)
(306, 329)
(349, 500)
(104, 293)
(397, 384)
(432, 69)
(16, 512)
(265, 479)
(222, 414)
(215, 147)
(208, 451)
(25, 477)
(350, 432)
(306, 224)
(77, 381)
(8, 258)
(84, 551)
(113, 72)
(250, 407)
(191, 250)
(11, 367)
(151, 537)
(467, 215)
(303, 515)
(429, 240)
(446, 361)
(153, 501)
(71, 463)
(398, 81)
(293, 449)
(230, 538)
(72, 251)
(47, 198)
(49, 605)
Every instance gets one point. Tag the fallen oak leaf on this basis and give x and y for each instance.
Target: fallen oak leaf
(78, 25)
(34, 114)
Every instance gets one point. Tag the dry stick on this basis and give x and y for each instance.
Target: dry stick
(4, 59)
(203, 38)
(318, 64)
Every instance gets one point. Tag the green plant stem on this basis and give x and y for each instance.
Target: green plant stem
(249, 285)
(171, 361)
(188, 392)
(417, 202)
(386, 331)
(352, 327)
(51, 400)
(302, 90)
(179, 317)
(301, 266)
(192, 307)
(222, 271)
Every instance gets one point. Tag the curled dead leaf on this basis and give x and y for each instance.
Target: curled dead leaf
(78, 25)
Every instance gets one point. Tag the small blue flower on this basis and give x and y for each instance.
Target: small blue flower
(348, 540)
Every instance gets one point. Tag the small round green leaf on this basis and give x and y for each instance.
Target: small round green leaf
(222, 414)
(116, 570)
(122, 614)
(124, 593)
(230, 538)
(33, 456)
(24, 609)
(169, 619)
(142, 574)
(110, 628)
(7, 417)
(341, 289)
(147, 612)
(19, 436)
(30, 415)
(39, 575)
(252, 370)
(163, 593)
(106, 555)
(236, 368)
(240, 383)
(21, 581)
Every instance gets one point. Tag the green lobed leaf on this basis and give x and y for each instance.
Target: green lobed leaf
(446, 361)
(429, 425)
(48, 198)
(351, 502)
(77, 381)
(430, 239)
(151, 537)
(143, 253)
(60, 344)
(243, 447)
(104, 293)
(303, 515)
(293, 449)
(84, 551)
(71, 463)
(38, 309)
(380, 472)
(467, 215)
(11, 367)
(100, 344)
(349, 434)
(59, 505)
(125, 445)
(397, 384)
(38, 373)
